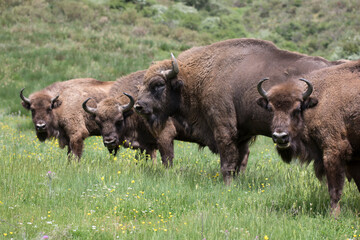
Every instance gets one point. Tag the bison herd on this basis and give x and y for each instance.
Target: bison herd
(220, 96)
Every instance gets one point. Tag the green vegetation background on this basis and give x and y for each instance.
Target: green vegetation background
(43, 41)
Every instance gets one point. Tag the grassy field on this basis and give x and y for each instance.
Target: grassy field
(123, 198)
(102, 197)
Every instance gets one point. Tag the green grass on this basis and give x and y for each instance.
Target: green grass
(102, 197)
(108, 198)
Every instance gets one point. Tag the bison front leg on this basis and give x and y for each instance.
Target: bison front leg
(244, 153)
(76, 146)
(228, 161)
(335, 175)
(152, 154)
(165, 141)
(166, 150)
(229, 155)
(353, 169)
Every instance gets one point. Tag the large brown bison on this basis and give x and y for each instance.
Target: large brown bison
(322, 125)
(120, 126)
(56, 111)
(211, 91)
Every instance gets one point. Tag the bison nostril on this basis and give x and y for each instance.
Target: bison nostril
(280, 137)
(40, 125)
(109, 141)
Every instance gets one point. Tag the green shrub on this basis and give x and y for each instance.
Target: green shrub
(287, 31)
(351, 48)
(191, 21)
(184, 35)
(199, 4)
(129, 16)
(75, 10)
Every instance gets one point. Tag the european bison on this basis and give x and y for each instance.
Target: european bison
(211, 91)
(120, 126)
(56, 111)
(321, 125)
(114, 117)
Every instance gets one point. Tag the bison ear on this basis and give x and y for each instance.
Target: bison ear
(56, 103)
(309, 103)
(262, 102)
(26, 105)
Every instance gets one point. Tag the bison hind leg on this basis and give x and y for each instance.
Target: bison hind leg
(244, 153)
(335, 169)
(353, 171)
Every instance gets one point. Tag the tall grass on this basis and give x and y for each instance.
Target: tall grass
(103, 197)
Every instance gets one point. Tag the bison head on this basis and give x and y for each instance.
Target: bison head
(159, 97)
(41, 106)
(110, 116)
(287, 102)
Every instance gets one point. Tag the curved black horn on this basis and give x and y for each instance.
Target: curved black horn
(260, 89)
(53, 101)
(130, 104)
(309, 88)
(25, 99)
(175, 68)
(87, 108)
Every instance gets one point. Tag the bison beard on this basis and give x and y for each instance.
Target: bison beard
(296, 149)
(305, 153)
(42, 136)
(47, 134)
(287, 154)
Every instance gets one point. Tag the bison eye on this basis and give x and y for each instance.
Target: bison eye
(157, 89)
(119, 124)
(297, 111)
(158, 86)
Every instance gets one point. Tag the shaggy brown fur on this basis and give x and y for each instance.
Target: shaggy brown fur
(119, 127)
(130, 130)
(66, 120)
(324, 127)
(214, 94)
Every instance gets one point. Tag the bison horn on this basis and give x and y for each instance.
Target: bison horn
(309, 89)
(262, 92)
(130, 104)
(87, 108)
(53, 101)
(175, 68)
(25, 99)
